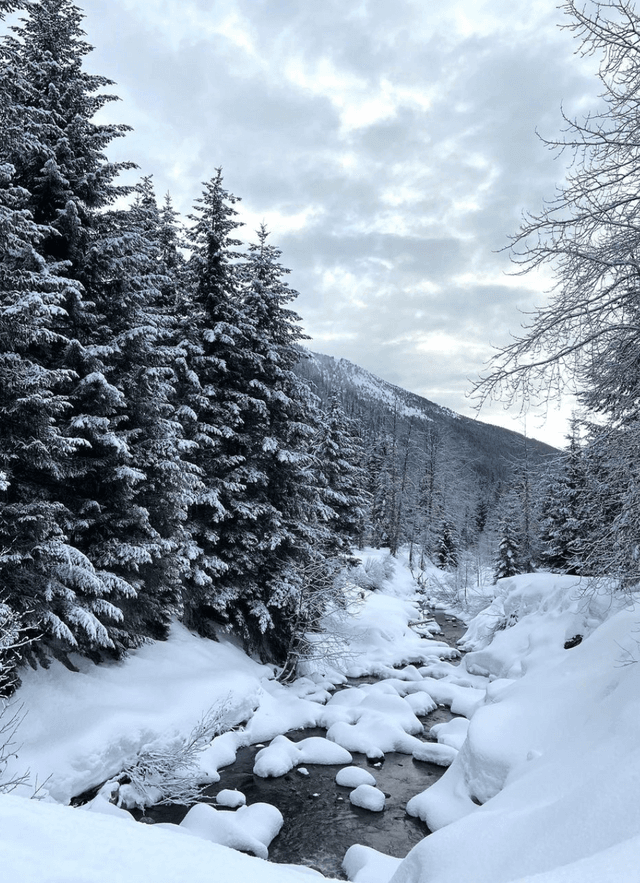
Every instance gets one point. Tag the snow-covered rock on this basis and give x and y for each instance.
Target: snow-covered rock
(368, 797)
(283, 755)
(432, 752)
(230, 799)
(352, 776)
(250, 829)
(362, 864)
(452, 733)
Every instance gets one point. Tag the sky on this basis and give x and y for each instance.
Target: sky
(389, 145)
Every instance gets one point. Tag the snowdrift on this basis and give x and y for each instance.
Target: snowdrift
(546, 782)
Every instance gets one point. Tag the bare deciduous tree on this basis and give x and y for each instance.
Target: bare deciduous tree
(589, 235)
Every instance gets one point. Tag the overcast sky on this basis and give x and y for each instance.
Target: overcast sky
(389, 145)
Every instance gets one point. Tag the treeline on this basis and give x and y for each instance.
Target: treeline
(454, 492)
(160, 457)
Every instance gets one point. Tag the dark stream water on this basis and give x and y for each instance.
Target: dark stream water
(320, 823)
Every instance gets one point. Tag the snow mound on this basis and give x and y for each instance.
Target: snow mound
(368, 797)
(46, 842)
(420, 703)
(283, 755)
(101, 805)
(352, 776)
(373, 736)
(250, 829)
(362, 864)
(373, 719)
(230, 799)
(533, 616)
(452, 733)
(432, 752)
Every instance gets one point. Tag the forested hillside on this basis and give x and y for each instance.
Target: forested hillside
(440, 482)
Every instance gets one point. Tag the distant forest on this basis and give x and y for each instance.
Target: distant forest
(168, 448)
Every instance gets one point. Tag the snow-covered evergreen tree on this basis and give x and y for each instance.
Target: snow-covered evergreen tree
(288, 529)
(47, 104)
(339, 452)
(63, 166)
(563, 530)
(97, 331)
(448, 548)
(507, 562)
(146, 485)
(45, 578)
(509, 559)
(215, 402)
(378, 488)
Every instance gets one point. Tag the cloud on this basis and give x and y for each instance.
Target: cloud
(391, 148)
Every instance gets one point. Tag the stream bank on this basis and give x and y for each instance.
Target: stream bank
(320, 823)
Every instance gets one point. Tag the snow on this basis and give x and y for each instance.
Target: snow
(249, 829)
(544, 760)
(368, 797)
(54, 843)
(452, 733)
(365, 865)
(430, 752)
(551, 756)
(231, 799)
(81, 728)
(352, 776)
(283, 755)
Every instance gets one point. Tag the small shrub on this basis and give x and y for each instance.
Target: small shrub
(168, 772)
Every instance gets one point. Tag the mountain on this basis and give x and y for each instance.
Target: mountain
(369, 399)
(426, 465)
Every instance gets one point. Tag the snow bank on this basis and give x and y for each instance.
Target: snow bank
(547, 779)
(81, 728)
(532, 616)
(47, 842)
(249, 829)
(379, 634)
(365, 865)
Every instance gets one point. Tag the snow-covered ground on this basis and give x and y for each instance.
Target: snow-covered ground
(544, 762)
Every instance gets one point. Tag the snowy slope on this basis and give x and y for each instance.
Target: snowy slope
(553, 753)
(81, 728)
(545, 762)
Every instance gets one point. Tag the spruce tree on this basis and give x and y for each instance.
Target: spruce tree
(147, 486)
(291, 529)
(62, 165)
(509, 560)
(96, 334)
(448, 549)
(214, 400)
(46, 574)
(48, 581)
(339, 452)
(563, 529)
(378, 487)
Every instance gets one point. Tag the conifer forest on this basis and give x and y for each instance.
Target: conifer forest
(170, 450)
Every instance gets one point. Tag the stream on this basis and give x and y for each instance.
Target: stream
(320, 823)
